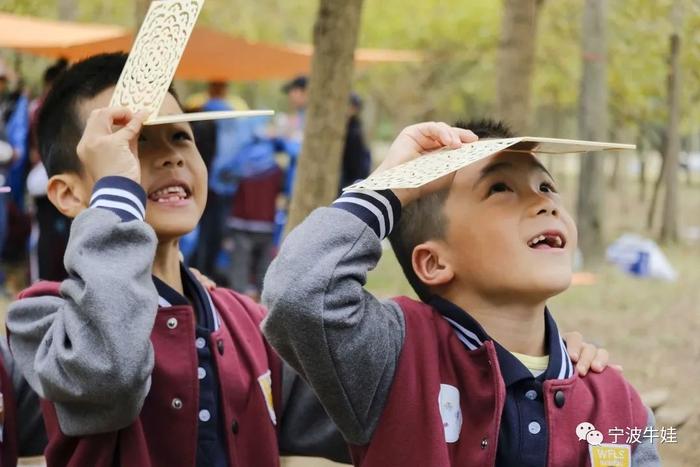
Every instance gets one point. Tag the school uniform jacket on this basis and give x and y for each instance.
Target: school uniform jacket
(117, 374)
(8, 421)
(165, 432)
(379, 366)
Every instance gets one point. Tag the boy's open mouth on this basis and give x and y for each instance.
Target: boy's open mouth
(171, 193)
(547, 240)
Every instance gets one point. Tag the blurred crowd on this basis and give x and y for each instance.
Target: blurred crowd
(251, 163)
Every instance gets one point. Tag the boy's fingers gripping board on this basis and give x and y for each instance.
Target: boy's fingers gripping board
(154, 59)
(431, 166)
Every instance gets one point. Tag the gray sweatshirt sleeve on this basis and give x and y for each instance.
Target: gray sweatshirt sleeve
(646, 454)
(340, 338)
(89, 350)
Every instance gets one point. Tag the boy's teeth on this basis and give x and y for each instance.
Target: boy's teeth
(170, 193)
(537, 240)
(558, 241)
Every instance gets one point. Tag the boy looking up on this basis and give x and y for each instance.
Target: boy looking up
(137, 363)
(474, 374)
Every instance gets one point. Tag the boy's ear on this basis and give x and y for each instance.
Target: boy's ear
(430, 265)
(67, 193)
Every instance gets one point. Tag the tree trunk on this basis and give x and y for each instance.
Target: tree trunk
(655, 195)
(593, 125)
(67, 10)
(318, 171)
(669, 225)
(641, 147)
(140, 10)
(516, 60)
(618, 161)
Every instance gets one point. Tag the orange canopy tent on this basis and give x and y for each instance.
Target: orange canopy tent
(210, 55)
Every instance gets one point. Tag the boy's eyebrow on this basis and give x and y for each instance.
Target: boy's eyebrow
(497, 166)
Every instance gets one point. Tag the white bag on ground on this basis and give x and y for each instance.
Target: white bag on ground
(640, 257)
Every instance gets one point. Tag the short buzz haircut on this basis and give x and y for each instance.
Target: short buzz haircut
(60, 125)
(424, 218)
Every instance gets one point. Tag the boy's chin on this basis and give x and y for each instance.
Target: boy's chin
(167, 230)
(550, 285)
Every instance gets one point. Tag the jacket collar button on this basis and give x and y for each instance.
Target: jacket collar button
(559, 399)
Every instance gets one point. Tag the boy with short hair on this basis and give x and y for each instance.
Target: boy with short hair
(137, 363)
(476, 373)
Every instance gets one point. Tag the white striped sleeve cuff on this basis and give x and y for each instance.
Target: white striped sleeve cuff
(122, 196)
(380, 210)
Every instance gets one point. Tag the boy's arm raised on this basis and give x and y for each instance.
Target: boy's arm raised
(341, 339)
(89, 351)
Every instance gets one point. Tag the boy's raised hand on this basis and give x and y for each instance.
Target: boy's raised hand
(415, 140)
(109, 146)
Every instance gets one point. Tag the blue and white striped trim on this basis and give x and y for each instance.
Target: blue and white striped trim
(163, 303)
(122, 196)
(467, 337)
(472, 342)
(214, 311)
(380, 210)
(567, 367)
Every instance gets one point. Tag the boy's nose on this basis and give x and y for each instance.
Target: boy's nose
(543, 205)
(171, 159)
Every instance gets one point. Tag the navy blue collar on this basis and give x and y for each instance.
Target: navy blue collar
(198, 297)
(473, 336)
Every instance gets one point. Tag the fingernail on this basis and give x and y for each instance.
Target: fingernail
(574, 356)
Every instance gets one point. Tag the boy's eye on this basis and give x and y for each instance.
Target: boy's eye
(182, 136)
(499, 187)
(546, 187)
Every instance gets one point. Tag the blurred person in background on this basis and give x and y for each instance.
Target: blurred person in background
(251, 221)
(215, 142)
(14, 112)
(7, 154)
(289, 131)
(357, 158)
(51, 228)
(290, 126)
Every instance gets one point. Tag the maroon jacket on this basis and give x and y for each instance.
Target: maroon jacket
(165, 434)
(410, 431)
(256, 197)
(8, 421)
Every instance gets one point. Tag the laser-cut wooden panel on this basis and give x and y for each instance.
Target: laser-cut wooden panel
(434, 165)
(155, 55)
